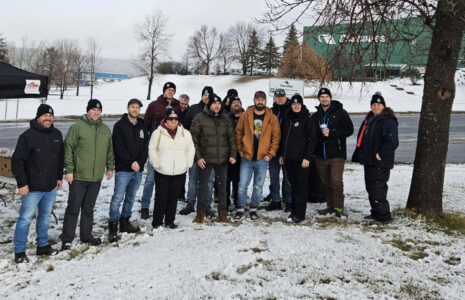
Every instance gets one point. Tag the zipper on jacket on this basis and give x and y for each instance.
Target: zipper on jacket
(95, 151)
(339, 142)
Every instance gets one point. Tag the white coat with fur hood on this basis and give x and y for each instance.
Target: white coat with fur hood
(170, 156)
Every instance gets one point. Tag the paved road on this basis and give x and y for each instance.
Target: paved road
(408, 127)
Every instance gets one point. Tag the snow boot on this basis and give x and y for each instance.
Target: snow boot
(273, 206)
(126, 226)
(144, 213)
(210, 213)
(326, 211)
(187, 210)
(200, 217)
(45, 250)
(113, 232)
(223, 216)
(21, 257)
(93, 241)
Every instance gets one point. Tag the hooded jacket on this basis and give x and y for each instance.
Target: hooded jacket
(89, 150)
(191, 113)
(340, 127)
(213, 137)
(130, 143)
(156, 112)
(269, 137)
(38, 158)
(381, 137)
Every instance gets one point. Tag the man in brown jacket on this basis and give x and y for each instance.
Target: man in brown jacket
(257, 140)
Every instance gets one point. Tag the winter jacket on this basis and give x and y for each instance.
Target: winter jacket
(156, 112)
(269, 137)
(298, 136)
(213, 137)
(89, 150)
(381, 137)
(281, 110)
(171, 156)
(130, 143)
(340, 127)
(191, 113)
(38, 158)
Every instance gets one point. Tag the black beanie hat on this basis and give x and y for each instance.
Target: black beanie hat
(44, 109)
(213, 98)
(377, 98)
(297, 99)
(324, 91)
(207, 89)
(94, 103)
(169, 85)
(235, 98)
(232, 92)
(170, 110)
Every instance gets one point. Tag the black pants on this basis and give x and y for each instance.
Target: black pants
(220, 179)
(376, 185)
(81, 198)
(233, 178)
(316, 193)
(167, 189)
(298, 177)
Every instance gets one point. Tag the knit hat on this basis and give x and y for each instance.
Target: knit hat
(134, 100)
(170, 110)
(324, 91)
(212, 98)
(44, 109)
(94, 103)
(232, 92)
(208, 90)
(279, 92)
(169, 85)
(377, 98)
(259, 94)
(235, 98)
(297, 99)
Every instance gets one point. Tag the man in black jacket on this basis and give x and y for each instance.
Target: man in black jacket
(130, 142)
(334, 126)
(37, 164)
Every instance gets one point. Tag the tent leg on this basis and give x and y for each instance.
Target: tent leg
(6, 107)
(17, 108)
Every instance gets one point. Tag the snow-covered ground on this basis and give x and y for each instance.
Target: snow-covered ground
(114, 96)
(319, 259)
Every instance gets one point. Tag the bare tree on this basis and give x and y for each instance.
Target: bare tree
(153, 36)
(93, 51)
(64, 63)
(3, 49)
(205, 46)
(80, 64)
(227, 54)
(445, 19)
(240, 34)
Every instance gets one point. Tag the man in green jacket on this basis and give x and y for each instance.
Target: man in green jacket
(88, 152)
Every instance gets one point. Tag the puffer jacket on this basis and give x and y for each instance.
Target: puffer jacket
(213, 137)
(269, 137)
(171, 156)
(89, 150)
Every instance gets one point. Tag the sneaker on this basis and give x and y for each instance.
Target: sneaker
(294, 219)
(253, 216)
(239, 216)
(368, 217)
(65, 246)
(273, 206)
(93, 241)
(21, 257)
(326, 211)
(288, 207)
(144, 213)
(187, 210)
(46, 250)
(210, 213)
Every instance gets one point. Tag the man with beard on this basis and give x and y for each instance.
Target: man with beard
(153, 115)
(184, 105)
(37, 164)
(257, 139)
(233, 169)
(130, 142)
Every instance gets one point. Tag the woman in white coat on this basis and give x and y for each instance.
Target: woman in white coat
(171, 153)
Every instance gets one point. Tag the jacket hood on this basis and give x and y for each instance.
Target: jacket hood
(34, 124)
(387, 112)
(281, 106)
(304, 113)
(86, 119)
(125, 118)
(335, 105)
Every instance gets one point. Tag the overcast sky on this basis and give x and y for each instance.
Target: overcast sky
(111, 23)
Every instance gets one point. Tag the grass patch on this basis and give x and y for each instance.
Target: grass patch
(50, 268)
(247, 78)
(453, 261)
(73, 253)
(244, 268)
(418, 255)
(400, 244)
(448, 223)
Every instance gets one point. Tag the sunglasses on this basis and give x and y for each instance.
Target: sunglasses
(280, 93)
(172, 119)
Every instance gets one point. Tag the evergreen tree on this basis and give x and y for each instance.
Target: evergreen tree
(253, 51)
(270, 57)
(291, 39)
(3, 49)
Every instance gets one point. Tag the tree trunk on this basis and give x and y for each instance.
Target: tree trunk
(439, 92)
(77, 87)
(149, 92)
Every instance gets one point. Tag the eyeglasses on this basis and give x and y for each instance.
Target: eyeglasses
(172, 119)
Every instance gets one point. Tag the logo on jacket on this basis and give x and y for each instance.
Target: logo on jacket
(296, 124)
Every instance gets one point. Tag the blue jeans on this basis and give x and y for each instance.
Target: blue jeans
(29, 203)
(148, 186)
(126, 186)
(258, 169)
(193, 186)
(275, 167)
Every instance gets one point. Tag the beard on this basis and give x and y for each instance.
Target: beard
(259, 107)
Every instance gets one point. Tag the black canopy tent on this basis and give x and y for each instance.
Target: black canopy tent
(17, 83)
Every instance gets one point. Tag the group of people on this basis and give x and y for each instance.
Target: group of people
(217, 144)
